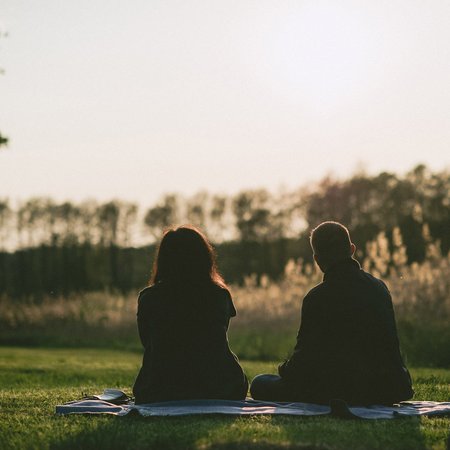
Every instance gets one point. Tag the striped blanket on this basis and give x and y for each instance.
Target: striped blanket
(121, 406)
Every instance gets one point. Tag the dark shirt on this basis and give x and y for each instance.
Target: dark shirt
(183, 329)
(347, 345)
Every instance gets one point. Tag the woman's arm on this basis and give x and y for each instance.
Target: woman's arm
(143, 320)
(228, 309)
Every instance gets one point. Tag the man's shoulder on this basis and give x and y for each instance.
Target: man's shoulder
(330, 287)
(375, 281)
(317, 289)
(148, 293)
(316, 292)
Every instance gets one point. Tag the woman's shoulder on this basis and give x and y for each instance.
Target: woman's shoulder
(149, 293)
(220, 291)
(223, 296)
(150, 300)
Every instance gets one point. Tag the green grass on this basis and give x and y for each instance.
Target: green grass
(33, 381)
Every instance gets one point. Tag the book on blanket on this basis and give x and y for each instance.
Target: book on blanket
(109, 395)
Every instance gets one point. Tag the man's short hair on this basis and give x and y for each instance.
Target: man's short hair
(331, 242)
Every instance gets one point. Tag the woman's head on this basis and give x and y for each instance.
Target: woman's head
(185, 255)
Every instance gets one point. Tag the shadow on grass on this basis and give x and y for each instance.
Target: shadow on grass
(138, 432)
(232, 433)
(337, 433)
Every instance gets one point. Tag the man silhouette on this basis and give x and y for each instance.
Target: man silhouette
(347, 345)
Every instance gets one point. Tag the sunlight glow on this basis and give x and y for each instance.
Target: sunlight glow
(132, 101)
(326, 55)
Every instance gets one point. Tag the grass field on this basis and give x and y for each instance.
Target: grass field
(33, 381)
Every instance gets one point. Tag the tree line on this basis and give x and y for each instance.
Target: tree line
(56, 248)
(3, 139)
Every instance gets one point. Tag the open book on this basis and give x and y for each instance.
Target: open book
(114, 396)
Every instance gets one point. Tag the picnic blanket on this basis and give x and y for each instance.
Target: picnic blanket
(337, 408)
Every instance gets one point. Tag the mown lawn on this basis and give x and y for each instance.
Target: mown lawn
(33, 381)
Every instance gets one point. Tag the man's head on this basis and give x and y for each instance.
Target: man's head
(330, 242)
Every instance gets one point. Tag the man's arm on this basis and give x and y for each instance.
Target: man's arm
(306, 341)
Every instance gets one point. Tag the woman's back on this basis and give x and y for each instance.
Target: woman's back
(183, 328)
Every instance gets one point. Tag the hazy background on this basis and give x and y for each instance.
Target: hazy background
(132, 99)
(165, 112)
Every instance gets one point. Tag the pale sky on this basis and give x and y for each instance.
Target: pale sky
(114, 99)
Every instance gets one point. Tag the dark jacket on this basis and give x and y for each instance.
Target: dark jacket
(347, 344)
(183, 329)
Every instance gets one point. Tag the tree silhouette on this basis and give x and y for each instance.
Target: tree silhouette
(196, 209)
(219, 207)
(108, 222)
(252, 213)
(5, 217)
(3, 139)
(163, 215)
(127, 222)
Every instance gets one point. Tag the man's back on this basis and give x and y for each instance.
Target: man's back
(347, 345)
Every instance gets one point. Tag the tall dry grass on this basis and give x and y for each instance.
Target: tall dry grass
(268, 311)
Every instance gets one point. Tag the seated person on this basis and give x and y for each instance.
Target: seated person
(347, 345)
(183, 319)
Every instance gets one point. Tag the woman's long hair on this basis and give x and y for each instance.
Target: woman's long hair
(185, 256)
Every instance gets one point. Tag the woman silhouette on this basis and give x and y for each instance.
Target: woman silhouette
(183, 318)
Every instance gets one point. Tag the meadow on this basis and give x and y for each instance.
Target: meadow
(58, 349)
(268, 311)
(33, 381)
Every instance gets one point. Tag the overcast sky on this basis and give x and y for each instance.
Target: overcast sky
(106, 99)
